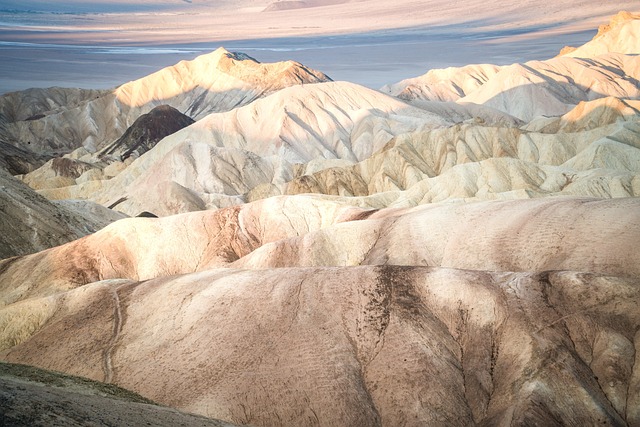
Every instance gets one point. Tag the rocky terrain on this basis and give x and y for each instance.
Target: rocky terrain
(31, 396)
(459, 248)
(31, 223)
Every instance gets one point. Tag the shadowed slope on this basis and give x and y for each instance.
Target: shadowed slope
(32, 104)
(30, 223)
(18, 160)
(34, 397)
(519, 235)
(145, 133)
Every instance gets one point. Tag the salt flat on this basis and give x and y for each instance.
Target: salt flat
(73, 44)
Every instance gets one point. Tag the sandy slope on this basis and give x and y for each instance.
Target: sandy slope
(521, 233)
(328, 342)
(358, 346)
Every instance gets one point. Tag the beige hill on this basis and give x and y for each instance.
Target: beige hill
(140, 251)
(351, 345)
(449, 84)
(469, 160)
(590, 151)
(554, 86)
(228, 154)
(216, 162)
(218, 81)
(513, 235)
(134, 249)
(35, 103)
(358, 346)
(606, 66)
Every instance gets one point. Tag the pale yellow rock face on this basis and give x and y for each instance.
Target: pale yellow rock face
(620, 35)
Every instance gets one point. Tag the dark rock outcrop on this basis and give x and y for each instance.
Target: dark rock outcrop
(18, 161)
(145, 133)
(30, 223)
(36, 397)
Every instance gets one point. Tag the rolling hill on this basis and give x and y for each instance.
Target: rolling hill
(457, 249)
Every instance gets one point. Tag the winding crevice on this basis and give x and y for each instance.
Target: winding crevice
(107, 365)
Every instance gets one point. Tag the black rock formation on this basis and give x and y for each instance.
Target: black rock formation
(145, 133)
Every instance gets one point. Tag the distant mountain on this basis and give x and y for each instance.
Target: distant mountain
(620, 35)
(606, 66)
(33, 104)
(448, 84)
(218, 81)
